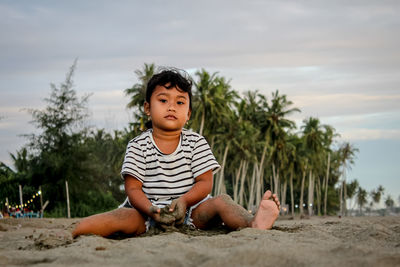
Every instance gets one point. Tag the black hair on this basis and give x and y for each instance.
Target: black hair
(174, 78)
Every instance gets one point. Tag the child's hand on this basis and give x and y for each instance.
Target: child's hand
(178, 209)
(155, 213)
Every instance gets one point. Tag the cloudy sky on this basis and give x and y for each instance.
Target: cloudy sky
(336, 60)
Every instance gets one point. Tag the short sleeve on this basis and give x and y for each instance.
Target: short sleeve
(203, 159)
(134, 162)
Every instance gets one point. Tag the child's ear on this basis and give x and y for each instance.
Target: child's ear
(189, 114)
(147, 108)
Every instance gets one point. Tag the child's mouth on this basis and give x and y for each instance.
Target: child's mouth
(170, 117)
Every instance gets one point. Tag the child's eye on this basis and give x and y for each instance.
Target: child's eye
(163, 100)
(180, 103)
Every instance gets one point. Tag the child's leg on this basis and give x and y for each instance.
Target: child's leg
(126, 220)
(234, 216)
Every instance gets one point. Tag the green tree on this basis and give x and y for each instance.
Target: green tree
(294, 144)
(8, 185)
(313, 142)
(352, 188)
(278, 125)
(361, 198)
(376, 195)
(138, 94)
(58, 153)
(212, 99)
(389, 203)
(302, 167)
(246, 140)
(347, 152)
(329, 135)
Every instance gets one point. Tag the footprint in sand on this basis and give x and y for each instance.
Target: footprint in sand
(52, 240)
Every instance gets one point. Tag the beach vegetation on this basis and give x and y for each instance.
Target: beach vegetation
(254, 137)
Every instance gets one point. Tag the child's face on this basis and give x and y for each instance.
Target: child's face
(168, 108)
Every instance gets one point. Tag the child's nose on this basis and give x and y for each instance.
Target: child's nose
(171, 107)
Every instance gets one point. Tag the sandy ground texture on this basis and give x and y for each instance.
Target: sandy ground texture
(355, 241)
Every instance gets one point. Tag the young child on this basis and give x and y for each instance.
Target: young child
(169, 165)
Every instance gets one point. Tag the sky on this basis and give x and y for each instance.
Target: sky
(336, 60)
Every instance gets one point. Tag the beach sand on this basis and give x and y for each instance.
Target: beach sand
(331, 241)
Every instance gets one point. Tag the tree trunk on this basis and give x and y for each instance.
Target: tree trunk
(291, 193)
(236, 182)
(327, 183)
(275, 173)
(250, 202)
(283, 193)
(271, 183)
(67, 193)
(344, 198)
(302, 194)
(344, 201)
(273, 189)
(341, 199)
(212, 143)
(202, 123)
(318, 191)
(310, 205)
(260, 185)
(20, 198)
(260, 176)
(242, 180)
(221, 183)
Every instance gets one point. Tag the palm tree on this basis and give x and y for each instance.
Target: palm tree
(206, 99)
(361, 198)
(138, 92)
(313, 142)
(376, 195)
(352, 189)
(328, 139)
(245, 144)
(302, 160)
(294, 143)
(225, 135)
(389, 203)
(347, 152)
(275, 133)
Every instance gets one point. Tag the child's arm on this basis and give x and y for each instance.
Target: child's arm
(199, 191)
(136, 196)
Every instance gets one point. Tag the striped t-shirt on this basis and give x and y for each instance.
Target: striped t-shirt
(166, 177)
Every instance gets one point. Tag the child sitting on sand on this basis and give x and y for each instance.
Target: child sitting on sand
(168, 165)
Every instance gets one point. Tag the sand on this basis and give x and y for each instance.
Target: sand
(351, 241)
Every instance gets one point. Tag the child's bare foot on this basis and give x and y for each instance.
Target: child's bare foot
(267, 212)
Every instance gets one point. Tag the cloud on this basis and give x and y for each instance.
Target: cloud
(344, 104)
(370, 134)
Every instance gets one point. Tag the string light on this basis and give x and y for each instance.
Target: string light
(29, 201)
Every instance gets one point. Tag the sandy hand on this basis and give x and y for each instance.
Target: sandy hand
(162, 216)
(178, 210)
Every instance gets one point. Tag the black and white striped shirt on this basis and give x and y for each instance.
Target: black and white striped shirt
(166, 177)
